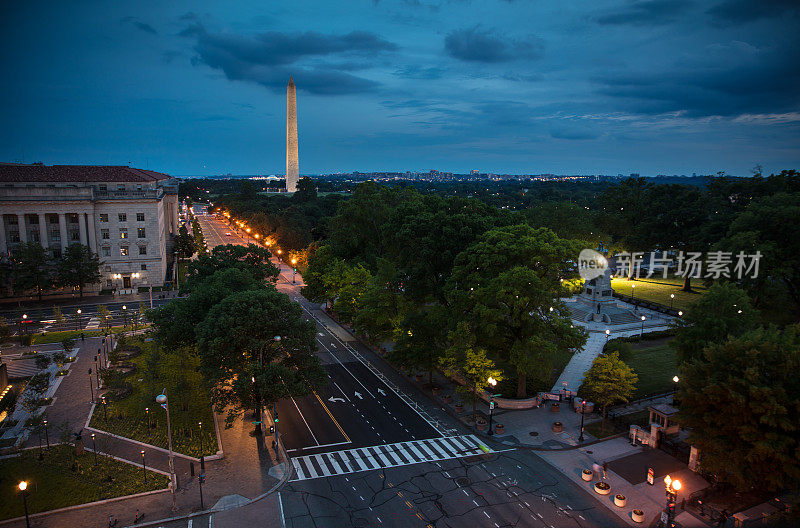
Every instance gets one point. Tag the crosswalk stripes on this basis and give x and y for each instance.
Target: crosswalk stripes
(383, 456)
(93, 323)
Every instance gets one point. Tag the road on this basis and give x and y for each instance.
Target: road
(368, 450)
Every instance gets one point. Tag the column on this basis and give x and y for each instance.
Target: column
(23, 236)
(92, 232)
(62, 226)
(3, 247)
(82, 229)
(43, 239)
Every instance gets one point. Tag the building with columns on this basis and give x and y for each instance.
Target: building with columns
(127, 216)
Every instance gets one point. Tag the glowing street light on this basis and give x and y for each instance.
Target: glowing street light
(671, 298)
(23, 488)
(162, 400)
(294, 268)
(491, 381)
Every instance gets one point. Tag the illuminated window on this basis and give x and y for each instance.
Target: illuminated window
(123, 251)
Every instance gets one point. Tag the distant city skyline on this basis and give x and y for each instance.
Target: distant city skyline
(198, 88)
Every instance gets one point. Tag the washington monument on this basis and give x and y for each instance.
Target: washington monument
(292, 160)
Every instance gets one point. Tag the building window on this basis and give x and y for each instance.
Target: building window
(109, 283)
(33, 219)
(103, 187)
(75, 236)
(123, 251)
(120, 187)
(104, 217)
(106, 251)
(123, 217)
(54, 219)
(123, 232)
(144, 267)
(140, 233)
(35, 236)
(55, 236)
(140, 217)
(143, 250)
(13, 220)
(73, 218)
(56, 253)
(13, 236)
(105, 234)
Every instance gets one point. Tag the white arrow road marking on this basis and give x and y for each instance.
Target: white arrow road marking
(382, 392)
(358, 395)
(332, 399)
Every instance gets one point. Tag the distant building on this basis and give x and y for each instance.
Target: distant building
(127, 216)
(474, 172)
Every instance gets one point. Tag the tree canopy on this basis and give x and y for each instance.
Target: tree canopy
(251, 258)
(741, 403)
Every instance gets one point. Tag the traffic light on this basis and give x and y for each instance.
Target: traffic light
(271, 429)
(202, 478)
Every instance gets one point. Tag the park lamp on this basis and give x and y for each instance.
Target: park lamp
(294, 261)
(492, 381)
(23, 485)
(680, 313)
(676, 379)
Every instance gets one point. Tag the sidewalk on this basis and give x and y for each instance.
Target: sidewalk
(247, 469)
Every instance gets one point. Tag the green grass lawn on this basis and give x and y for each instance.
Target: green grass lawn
(597, 430)
(53, 484)
(183, 267)
(654, 362)
(189, 404)
(57, 337)
(659, 290)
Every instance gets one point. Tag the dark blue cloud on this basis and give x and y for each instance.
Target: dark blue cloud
(138, 24)
(647, 13)
(269, 58)
(414, 71)
(727, 81)
(734, 12)
(482, 45)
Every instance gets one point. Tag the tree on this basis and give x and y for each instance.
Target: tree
(104, 315)
(175, 323)
(58, 316)
(306, 190)
(251, 258)
(723, 311)
(740, 401)
(238, 335)
(466, 362)
(381, 307)
(185, 243)
(609, 381)
(762, 227)
(33, 269)
(422, 339)
(34, 391)
(352, 284)
(624, 208)
(78, 267)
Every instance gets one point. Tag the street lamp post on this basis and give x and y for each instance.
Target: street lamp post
(147, 415)
(608, 333)
(673, 487)
(633, 296)
(675, 379)
(124, 316)
(258, 406)
(23, 488)
(24, 323)
(642, 334)
(671, 298)
(162, 399)
(105, 408)
(491, 382)
(94, 449)
(91, 388)
(583, 413)
(294, 269)
(144, 467)
(78, 319)
(46, 435)
(202, 458)
(97, 374)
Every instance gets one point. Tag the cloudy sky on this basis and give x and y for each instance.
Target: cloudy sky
(523, 86)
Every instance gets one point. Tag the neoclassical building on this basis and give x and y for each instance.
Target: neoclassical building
(127, 216)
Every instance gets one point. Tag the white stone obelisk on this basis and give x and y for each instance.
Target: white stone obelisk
(292, 158)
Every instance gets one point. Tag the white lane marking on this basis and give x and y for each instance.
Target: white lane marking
(340, 390)
(486, 514)
(347, 369)
(475, 502)
(305, 422)
(379, 519)
(280, 506)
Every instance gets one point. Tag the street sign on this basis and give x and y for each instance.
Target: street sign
(650, 474)
(664, 518)
(491, 405)
(564, 383)
(256, 423)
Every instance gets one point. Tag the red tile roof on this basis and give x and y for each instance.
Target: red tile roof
(17, 173)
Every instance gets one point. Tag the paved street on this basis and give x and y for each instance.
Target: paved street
(363, 456)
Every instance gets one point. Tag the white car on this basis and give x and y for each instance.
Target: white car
(228, 234)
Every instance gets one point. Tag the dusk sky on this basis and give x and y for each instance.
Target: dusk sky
(524, 86)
